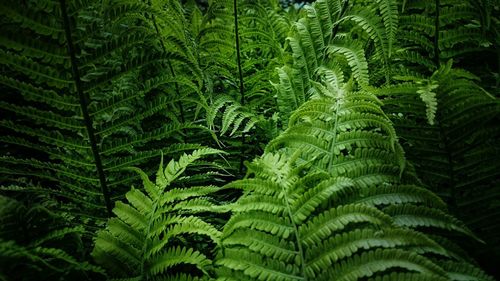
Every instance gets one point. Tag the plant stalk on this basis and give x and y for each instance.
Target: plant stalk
(240, 72)
(436, 34)
(172, 72)
(84, 101)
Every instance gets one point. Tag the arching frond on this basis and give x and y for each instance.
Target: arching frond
(319, 203)
(455, 155)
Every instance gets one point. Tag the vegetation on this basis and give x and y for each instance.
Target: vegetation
(338, 140)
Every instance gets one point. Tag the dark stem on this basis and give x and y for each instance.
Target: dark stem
(172, 72)
(238, 55)
(240, 72)
(84, 101)
(436, 34)
(335, 28)
(498, 66)
(341, 15)
(451, 172)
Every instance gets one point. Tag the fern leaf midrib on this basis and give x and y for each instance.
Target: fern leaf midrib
(436, 32)
(240, 75)
(147, 239)
(84, 107)
(172, 72)
(334, 139)
(298, 240)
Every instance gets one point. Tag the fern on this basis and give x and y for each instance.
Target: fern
(234, 116)
(320, 40)
(72, 101)
(35, 241)
(453, 30)
(355, 58)
(378, 161)
(306, 213)
(145, 240)
(462, 137)
(445, 151)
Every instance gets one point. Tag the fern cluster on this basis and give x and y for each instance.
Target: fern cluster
(462, 135)
(331, 199)
(377, 135)
(451, 151)
(31, 236)
(73, 90)
(433, 32)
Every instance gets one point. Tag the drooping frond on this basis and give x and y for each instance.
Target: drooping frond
(457, 155)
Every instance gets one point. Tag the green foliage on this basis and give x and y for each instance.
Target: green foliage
(459, 30)
(80, 97)
(378, 160)
(147, 238)
(40, 244)
(463, 136)
(319, 204)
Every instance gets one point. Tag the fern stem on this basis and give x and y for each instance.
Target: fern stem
(451, 172)
(240, 73)
(172, 72)
(297, 236)
(436, 34)
(497, 84)
(146, 242)
(334, 140)
(335, 29)
(238, 54)
(84, 101)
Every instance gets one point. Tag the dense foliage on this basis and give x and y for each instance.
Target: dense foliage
(338, 140)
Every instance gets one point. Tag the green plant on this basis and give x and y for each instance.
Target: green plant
(75, 113)
(330, 199)
(378, 155)
(150, 235)
(40, 244)
(455, 155)
(453, 151)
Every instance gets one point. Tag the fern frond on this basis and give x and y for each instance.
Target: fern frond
(389, 12)
(76, 101)
(372, 25)
(43, 246)
(325, 194)
(36, 21)
(355, 56)
(420, 216)
(460, 271)
(34, 93)
(399, 194)
(360, 266)
(141, 239)
(344, 245)
(35, 70)
(407, 276)
(444, 153)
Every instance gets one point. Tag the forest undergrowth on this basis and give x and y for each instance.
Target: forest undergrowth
(249, 140)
